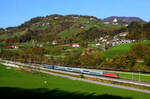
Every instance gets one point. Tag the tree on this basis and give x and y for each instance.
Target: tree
(146, 29)
(137, 50)
(98, 58)
(135, 30)
(72, 59)
(84, 44)
(86, 59)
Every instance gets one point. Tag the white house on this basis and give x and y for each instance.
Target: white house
(75, 45)
(123, 34)
(98, 44)
(56, 18)
(82, 27)
(126, 25)
(92, 19)
(54, 42)
(104, 40)
(101, 38)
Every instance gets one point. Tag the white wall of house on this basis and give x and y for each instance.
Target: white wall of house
(75, 45)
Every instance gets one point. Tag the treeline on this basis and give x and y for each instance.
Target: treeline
(39, 55)
(30, 55)
(139, 31)
(136, 59)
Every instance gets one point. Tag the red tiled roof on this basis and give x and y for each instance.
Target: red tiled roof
(75, 43)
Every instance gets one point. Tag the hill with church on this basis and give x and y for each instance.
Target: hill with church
(127, 20)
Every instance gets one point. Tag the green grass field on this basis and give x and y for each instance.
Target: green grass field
(135, 77)
(14, 82)
(68, 33)
(120, 49)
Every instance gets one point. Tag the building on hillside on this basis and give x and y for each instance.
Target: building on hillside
(82, 27)
(126, 25)
(115, 21)
(123, 34)
(92, 19)
(101, 38)
(13, 47)
(56, 18)
(75, 17)
(104, 40)
(98, 44)
(54, 42)
(75, 45)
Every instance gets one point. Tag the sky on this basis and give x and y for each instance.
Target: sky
(16, 12)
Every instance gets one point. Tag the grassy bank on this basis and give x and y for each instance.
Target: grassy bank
(128, 75)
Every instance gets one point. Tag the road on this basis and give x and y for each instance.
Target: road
(85, 80)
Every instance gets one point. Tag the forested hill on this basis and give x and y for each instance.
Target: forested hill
(65, 29)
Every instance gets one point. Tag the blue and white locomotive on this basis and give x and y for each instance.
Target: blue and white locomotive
(78, 70)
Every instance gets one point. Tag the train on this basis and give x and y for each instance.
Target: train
(82, 71)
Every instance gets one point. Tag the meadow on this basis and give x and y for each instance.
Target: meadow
(17, 84)
(120, 49)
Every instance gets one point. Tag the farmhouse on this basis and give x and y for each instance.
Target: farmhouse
(75, 45)
(126, 25)
(13, 47)
(54, 42)
(123, 34)
(98, 44)
(104, 40)
(92, 19)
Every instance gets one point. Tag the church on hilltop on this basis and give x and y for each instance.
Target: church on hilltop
(115, 21)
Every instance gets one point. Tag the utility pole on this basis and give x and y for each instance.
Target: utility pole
(139, 76)
(140, 61)
(132, 75)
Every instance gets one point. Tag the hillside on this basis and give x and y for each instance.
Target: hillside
(123, 19)
(51, 40)
(69, 28)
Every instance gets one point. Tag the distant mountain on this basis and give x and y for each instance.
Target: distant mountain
(124, 19)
